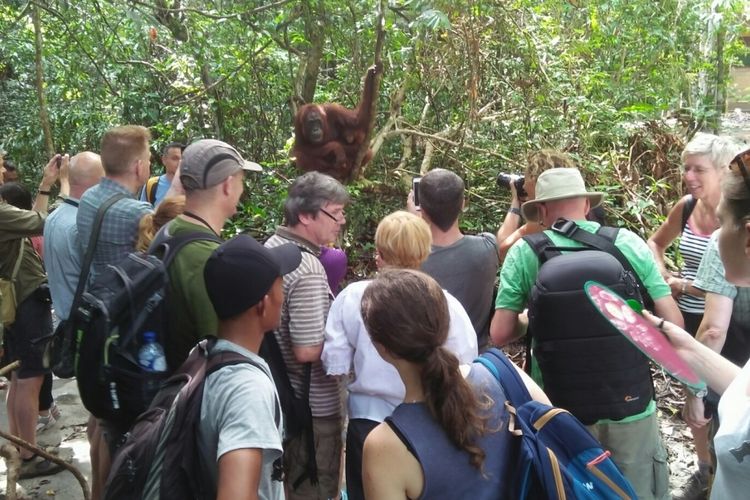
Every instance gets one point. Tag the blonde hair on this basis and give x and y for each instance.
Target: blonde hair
(121, 146)
(403, 240)
(168, 209)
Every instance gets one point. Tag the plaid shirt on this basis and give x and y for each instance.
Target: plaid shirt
(119, 230)
(710, 278)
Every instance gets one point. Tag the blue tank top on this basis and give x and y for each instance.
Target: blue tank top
(447, 471)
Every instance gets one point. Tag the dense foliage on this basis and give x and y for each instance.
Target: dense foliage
(470, 85)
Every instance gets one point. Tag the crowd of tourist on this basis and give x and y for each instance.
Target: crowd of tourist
(398, 410)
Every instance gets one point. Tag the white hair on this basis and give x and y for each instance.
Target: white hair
(719, 150)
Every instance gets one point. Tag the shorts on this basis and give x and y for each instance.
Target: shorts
(25, 338)
(328, 443)
(638, 451)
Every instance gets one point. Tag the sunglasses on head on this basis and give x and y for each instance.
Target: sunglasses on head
(741, 164)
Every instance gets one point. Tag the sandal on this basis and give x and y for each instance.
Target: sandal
(37, 466)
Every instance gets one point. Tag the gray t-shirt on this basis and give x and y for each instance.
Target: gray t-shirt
(241, 410)
(467, 269)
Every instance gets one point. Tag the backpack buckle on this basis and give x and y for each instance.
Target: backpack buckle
(564, 226)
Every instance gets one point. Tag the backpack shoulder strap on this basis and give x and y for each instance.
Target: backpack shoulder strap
(502, 368)
(542, 246)
(171, 245)
(603, 240)
(687, 210)
(151, 186)
(89, 255)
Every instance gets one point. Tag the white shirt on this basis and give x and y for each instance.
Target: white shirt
(732, 441)
(376, 388)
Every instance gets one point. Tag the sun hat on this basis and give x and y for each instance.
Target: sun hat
(558, 184)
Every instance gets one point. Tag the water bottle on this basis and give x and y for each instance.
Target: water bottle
(151, 355)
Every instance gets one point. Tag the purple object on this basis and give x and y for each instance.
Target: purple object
(334, 261)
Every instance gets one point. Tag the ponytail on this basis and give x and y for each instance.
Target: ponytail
(453, 403)
(406, 312)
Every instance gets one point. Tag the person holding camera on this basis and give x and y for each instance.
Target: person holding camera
(522, 189)
(464, 265)
(31, 318)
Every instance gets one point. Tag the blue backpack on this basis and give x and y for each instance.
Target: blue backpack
(559, 458)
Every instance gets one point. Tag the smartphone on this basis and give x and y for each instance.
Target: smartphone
(415, 188)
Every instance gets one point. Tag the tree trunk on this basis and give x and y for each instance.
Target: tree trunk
(218, 113)
(314, 35)
(38, 63)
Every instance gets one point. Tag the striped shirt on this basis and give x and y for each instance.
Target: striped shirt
(307, 298)
(692, 248)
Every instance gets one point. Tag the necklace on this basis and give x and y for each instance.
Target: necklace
(199, 219)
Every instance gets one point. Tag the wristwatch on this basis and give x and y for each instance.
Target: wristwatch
(514, 210)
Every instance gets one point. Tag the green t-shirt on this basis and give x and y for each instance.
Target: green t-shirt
(191, 315)
(518, 274)
(16, 224)
(521, 266)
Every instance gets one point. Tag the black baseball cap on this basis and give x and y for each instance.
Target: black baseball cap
(241, 271)
(207, 162)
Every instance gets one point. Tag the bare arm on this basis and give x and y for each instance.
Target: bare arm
(511, 223)
(239, 474)
(712, 333)
(528, 228)
(65, 176)
(49, 177)
(504, 328)
(389, 470)
(667, 308)
(717, 371)
(665, 235)
(308, 354)
(536, 392)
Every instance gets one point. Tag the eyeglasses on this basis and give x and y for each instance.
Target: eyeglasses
(333, 218)
(741, 164)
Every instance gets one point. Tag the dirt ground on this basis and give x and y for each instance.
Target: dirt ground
(67, 438)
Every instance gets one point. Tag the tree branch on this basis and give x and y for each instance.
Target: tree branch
(233, 15)
(357, 166)
(80, 45)
(219, 81)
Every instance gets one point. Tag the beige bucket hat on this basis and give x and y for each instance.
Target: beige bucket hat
(559, 184)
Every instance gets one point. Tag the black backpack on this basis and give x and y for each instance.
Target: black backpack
(123, 302)
(296, 407)
(160, 458)
(587, 366)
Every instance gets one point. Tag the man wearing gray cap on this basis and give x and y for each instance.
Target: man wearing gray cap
(212, 175)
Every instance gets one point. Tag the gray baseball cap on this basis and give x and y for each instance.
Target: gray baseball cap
(207, 162)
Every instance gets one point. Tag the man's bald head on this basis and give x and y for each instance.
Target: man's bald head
(85, 171)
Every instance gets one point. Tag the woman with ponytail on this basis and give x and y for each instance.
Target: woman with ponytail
(449, 437)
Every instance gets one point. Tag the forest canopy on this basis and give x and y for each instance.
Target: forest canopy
(472, 86)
